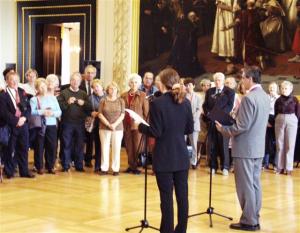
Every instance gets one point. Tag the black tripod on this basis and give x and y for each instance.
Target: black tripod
(210, 209)
(144, 222)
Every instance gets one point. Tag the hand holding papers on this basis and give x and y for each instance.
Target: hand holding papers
(217, 114)
(136, 117)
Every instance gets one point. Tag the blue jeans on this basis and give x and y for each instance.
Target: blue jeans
(72, 142)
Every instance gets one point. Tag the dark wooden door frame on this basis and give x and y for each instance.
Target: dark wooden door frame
(52, 12)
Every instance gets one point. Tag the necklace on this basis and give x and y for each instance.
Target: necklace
(131, 94)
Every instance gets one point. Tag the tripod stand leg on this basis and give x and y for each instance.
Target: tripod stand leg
(221, 215)
(210, 221)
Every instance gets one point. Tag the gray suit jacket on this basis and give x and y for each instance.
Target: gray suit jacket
(196, 110)
(249, 131)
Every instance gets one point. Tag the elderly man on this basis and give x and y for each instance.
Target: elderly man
(15, 104)
(220, 97)
(250, 126)
(148, 84)
(75, 108)
(90, 73)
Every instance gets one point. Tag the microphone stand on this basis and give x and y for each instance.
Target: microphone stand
(144, 222)
(210, 210)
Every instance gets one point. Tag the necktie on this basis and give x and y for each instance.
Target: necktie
(218, 91)
(18, 112)
(89, 88)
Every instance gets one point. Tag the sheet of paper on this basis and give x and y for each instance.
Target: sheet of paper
(136, 117)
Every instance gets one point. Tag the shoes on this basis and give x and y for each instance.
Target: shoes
(65, 170)
(288, 173)
(194, 167)
(80, 169)
(115, 173)
(136, 172)
(294, 59)
(244, 227)
(212, 171)
(51, 171)
(225, 172)
(88, 164)
(40, 172)
(29, 175)
(103, 173)
(128, 170)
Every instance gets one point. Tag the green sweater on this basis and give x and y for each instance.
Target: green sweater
(74, 113)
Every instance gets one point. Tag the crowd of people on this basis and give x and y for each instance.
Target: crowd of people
(86, 119)
(90, 122)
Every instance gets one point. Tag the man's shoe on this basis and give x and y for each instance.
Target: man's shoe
(129, 170)
(88, 164)
(244, 227)
(194, 167)
(51, 171)
(225, 172)
(29, 175)
(80, 169)
(103, 173)
(136, 172)
(115, 173)
(65, 169)
(40, 172)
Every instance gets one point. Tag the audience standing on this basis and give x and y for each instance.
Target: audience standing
(75, 108)
(111, 114)
(287, 113)
(135, 100)
(46, 106)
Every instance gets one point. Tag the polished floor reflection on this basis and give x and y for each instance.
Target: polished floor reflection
(86, 202)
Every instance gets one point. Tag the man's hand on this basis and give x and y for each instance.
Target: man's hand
(71, 100)
(21, 121)
(218, 126)
(80, 102)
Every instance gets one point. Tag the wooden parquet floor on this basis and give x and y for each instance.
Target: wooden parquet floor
(86, 202)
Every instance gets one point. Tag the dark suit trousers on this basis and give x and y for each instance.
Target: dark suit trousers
(72, 142)
(47, 144)
(93, 138)
(17, 151)
(217, 145)
(166, 181)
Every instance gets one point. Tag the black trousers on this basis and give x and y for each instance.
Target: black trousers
(17, 152)
(47, 145)
(166, 181)
(93, 139)
(217, 145)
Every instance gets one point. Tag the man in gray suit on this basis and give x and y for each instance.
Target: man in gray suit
(248, 146)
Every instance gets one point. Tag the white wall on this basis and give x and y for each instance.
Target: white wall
(8, 33)
(105, 38)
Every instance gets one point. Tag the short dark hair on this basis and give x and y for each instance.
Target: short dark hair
(189, 80)
(6, 71)
(253, 72)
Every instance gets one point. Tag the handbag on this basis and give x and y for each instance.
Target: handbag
(37, 121)
(4, 135)
(89, 124)
(89, 121)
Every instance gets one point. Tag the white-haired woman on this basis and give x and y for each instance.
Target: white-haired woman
(287, 113)
(46, 141)
(135, 100)
(53, 84)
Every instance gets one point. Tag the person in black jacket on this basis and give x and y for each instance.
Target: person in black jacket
(170, 119)
(220, 97)
(15, 104)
